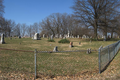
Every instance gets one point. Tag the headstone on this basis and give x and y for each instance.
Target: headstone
(72, 36)
(71, 44)
(2, 39)
(55, 49)
(68, 34)
(56, 36)
(19, 37)
(84, 37)
(89, 51)
(36, 36)
(60, 36)
(64, 37)
(43, 35)
(51, 37)
(78, 36)
(104, 38)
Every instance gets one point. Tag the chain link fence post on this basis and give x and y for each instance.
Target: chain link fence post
(35, 54)
(114, 49)
(108, 54)
(99, 60)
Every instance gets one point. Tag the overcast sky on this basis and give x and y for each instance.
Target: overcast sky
(31, 11)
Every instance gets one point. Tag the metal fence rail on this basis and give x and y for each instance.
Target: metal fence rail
(106, 54)
(38, 61)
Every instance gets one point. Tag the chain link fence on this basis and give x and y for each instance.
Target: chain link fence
(106, 54)
(65, 63)
(46, 63)
(14, 64)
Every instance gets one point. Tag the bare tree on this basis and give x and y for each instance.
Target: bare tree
(108, 19)
(57, 23)
(1, 8)
(10, 26)
(115, 28)
(35, 27)
(46, 25)
(29, 30)
(16, 30)
(89, 12)
(6, 26)
(23, 29)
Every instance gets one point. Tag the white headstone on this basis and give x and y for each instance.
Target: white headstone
(78, 36)
(56, 36)
(51, 37)
(84, 37)
(68, 34)
(2, 39)
(60, 36)
(72, 36)
(36, 36)
(43, 35)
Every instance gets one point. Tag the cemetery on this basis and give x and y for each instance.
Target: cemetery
(64, 63)
(59, 40)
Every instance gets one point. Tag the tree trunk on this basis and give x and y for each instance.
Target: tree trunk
(95, 31)
(112, 34)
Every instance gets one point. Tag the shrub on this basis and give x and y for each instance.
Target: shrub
(93, 39)
(50, 40)
(64, 41)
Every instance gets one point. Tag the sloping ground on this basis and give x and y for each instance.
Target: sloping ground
(111, 73)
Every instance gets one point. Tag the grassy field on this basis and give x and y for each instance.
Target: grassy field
(69, 63)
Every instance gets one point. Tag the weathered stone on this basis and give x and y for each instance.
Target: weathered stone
(19, 37)
(36, 36)
(51, 37)
(68, 34)
(78, 36)
(64, 37)
(71, 44)
(60, 36)
(55, 49)
(2, 39)
(89, 51)
(43, 35)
